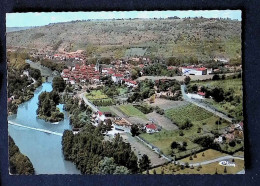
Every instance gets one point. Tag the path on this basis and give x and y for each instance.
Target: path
(203, 105)
(91, 105)
(214, 160)
(37, 129)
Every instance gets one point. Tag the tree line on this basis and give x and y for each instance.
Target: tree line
(18, 163)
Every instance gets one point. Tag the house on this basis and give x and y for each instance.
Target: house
(219, 139)
(151, 128)
(130, 83)
(190, 70)
(122, 124)
(195, 96)
(201, 94)
(100, 116)
(116, 78)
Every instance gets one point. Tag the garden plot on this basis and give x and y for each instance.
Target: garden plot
(162, 121)
(168, 104)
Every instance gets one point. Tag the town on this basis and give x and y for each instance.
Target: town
(168, 116)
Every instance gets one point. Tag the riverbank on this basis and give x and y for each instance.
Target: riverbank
(38, 144)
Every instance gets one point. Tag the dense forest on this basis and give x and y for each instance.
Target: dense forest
(19, 163)
(89, 151)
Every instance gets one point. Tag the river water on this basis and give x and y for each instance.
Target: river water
(44, 150)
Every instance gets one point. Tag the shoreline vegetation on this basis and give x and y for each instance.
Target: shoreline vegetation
(22, 80)
(19, 163)
(47, 107)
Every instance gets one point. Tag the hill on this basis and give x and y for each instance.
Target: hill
(15, 29)
(198, 38)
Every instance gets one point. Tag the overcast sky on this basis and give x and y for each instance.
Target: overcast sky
(42, 18)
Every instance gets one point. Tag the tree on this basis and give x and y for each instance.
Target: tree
(134, 130)
(215, 77)
(58, 84)
(174, 145)
(108, 166)
(187, 80)
(217, 94)
(154, 171)
(225, 170)
(144, 163)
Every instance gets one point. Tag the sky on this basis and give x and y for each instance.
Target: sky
(44, 18)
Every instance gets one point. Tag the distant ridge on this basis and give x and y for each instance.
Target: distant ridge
(14, 29)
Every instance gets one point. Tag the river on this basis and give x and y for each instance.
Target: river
(44, 150)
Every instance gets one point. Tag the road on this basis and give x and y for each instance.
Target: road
(91, 105)
(214, 160)
(181, 78)
(204, 105)
(37, 129)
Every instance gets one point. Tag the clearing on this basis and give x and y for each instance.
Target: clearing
(161, 120)
(209, 154)
(130, 110)
(167, 104)
(139, 149)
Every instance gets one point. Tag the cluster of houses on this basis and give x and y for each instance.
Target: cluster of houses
(121, 124)
(235, 131)
(81, 74)
(92, 73)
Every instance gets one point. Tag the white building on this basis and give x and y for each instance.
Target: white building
(195, 96)
(116, 78)
(194, 71)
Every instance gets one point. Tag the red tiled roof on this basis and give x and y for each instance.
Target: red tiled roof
(151, 126)
(119, 75)
(195, 68)
(201, 93)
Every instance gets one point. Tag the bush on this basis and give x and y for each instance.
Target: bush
(232, 144)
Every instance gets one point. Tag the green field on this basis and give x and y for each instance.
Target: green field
(188, 112)
(199, 117)
(164, 138)
(226, 85)
(96, 95)
(106, 109)
(234, 108)
(130, 110)
(98, 98)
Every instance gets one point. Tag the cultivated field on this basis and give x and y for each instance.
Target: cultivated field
(130, 110)
(187, 112)
(167, 104)
(161, 120)
(203, 124)
(97, 95)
